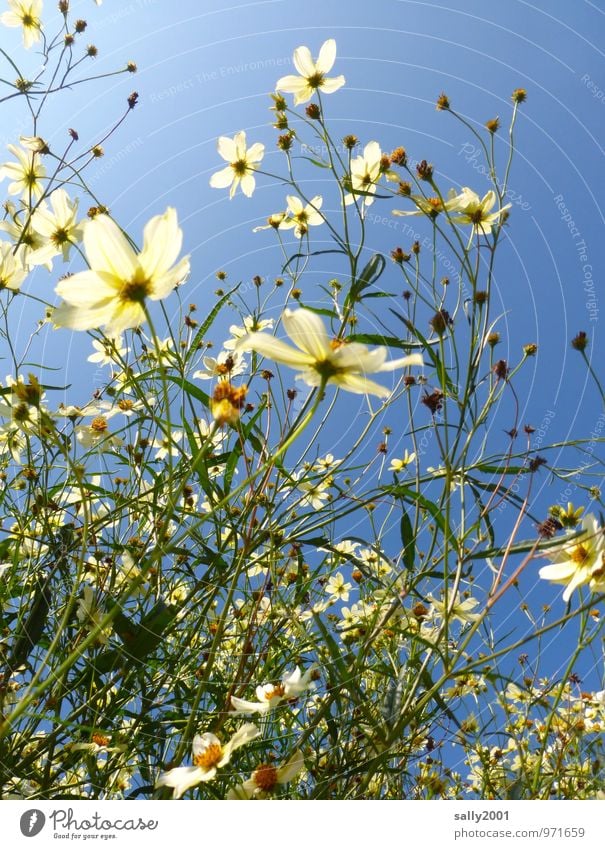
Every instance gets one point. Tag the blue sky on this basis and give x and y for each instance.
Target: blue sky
(206, 70)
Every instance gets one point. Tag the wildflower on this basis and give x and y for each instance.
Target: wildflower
(113, 292)
(337, 588)
(57, 226)
(315, 492)
(26, 14)
(365, 173)
(227, 402)
(579, 560)
(472, 209)
(227, 364)
(107, 351)
(400, 464)
(312, 73)
(431, 206)
(302, 217)
(271, 695)
(251, 324)
(25, 173)
(322, 360)
(243, 162)
(460, 609)
(97, 433)
(208, 755)
(267, 777)
(12, 270)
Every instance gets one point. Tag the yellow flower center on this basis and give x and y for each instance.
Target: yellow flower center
(125, 404)
(210, 757)
(59, 237)
(240, 166)
(580, 554)
(135, 290)
(100, 739)
(265, 777)
(99, 424)
(275, 693)
(477, 216)
(315, 80)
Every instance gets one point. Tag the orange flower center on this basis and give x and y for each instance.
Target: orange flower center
(580, 555)
(210, 757)
(100, 739)
(99, 424)
(265, 777)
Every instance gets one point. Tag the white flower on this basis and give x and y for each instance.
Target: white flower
(107, 351)
(432, 206)
(251, 325)
(315, 492)
(26, 14)
(243, 162)
(57, 226)
(271, 695)
(97, 433)
(228, 364)
(12, 270)
(400, 464)
(365, 173)
(267, 777)
(459, 608)
(471, 209)
(312, 73)
(208, 755)
(168, 445)
(324, 360)
(300, 217)
(112, 293)
(578, 561)
(337, 588)
(25, 173)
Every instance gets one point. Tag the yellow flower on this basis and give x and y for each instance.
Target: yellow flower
(324, 360)
(312, 73)
(471, 209)
(26, 14)
(399, 465)
(299, 217)
(113, 292)
(12, 270)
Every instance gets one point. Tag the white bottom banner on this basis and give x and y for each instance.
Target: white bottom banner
(434, 825)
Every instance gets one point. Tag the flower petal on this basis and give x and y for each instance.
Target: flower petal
(327, 56)
(303, 61)
(307, 331)
(181, 779)
(107, 248)
(268, 346)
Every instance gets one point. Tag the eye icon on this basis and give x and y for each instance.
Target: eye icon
(32, 822)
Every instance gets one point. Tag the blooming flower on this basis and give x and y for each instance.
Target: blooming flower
(228, 364)
(58, 226)
(337, 588)
(107, 351)
(399, 465)
(113, 292)
(365, 173)
(270, 695)
(461, 609)
(267, 777)
(476, 211)
(302, 217)
(578, 561)
(251, 325)
(312, 73)
(243, 162)
(12, 271)
(26, 14)
(315, 491)
(432, 206)
(324, 360)
(208, 755)
(25, 173)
